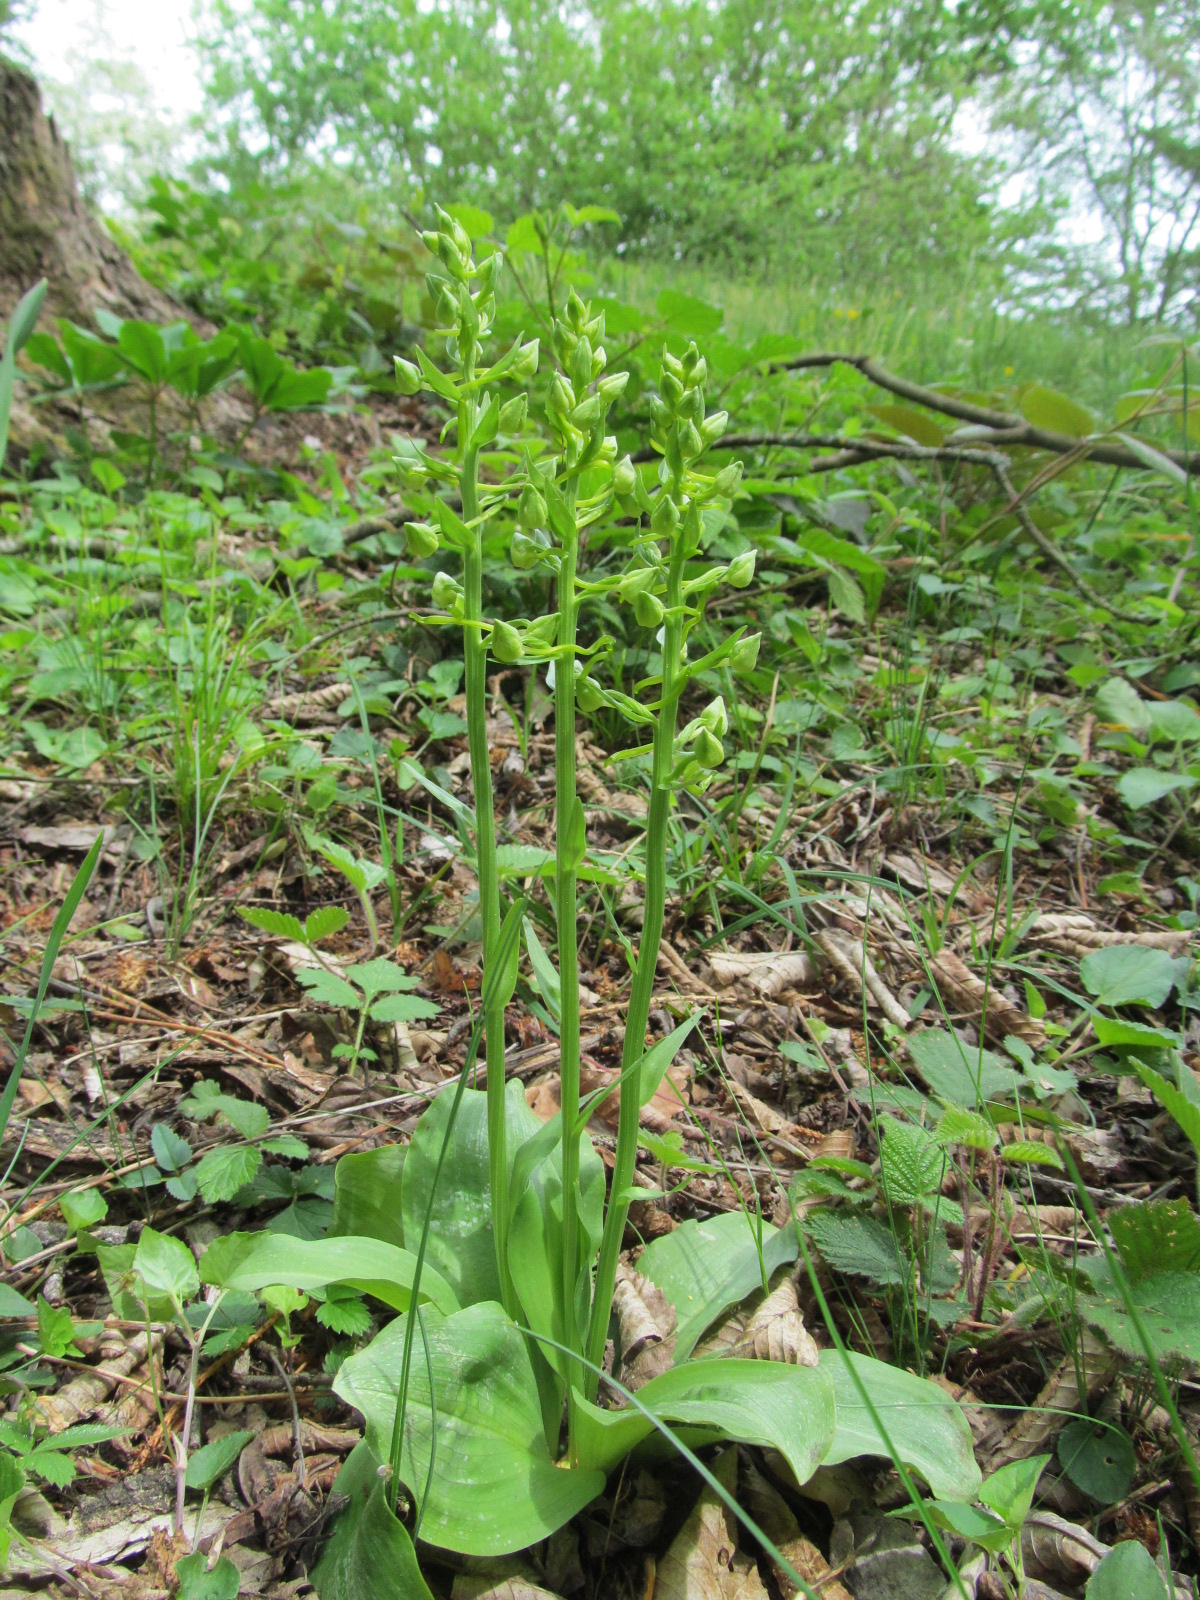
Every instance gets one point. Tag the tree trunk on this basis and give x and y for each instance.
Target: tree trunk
(48, 231)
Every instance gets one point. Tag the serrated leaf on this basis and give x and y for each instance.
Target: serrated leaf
(1030, 1153)
(280, 924)
(957, 1125)
(344, 1312)
(183, 1186)
(56, 1331)
(846, 594)
(404, 1008)
(285, 1144)
(911, 1163)
(51, 1465)
(380, 976)
(324, 922)
(329, 988)
(221, 1173)
(859, 1246)
(1156, 1236)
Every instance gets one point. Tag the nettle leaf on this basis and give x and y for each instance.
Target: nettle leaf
(768, 1403)
(958, 1126)
(166, 1265)
(221, 1173)
(1030, 1153)
(911, 1163)
(704, 1268)
(1156, 1236)
(494, 1487)
(1169, 1303)
(927, 1428)
(861, 1246)
(211, 1461)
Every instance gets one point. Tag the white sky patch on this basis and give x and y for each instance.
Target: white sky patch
(151, 34)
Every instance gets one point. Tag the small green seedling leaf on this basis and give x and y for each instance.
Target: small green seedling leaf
(327, 987)
(324, 922)
(170, 1151)
(1128, 975)
(56, 1331)
(208, 1463)
(279, 924)
(197, 1581)
(1127, 1573)
(1009, 1492)
(166, 1266)
(83, 1208)
(221, 1173)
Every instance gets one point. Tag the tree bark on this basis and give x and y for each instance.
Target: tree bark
(48, 231)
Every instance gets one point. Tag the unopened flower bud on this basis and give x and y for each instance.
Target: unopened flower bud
(741, 570)
(589, 695)
(587, 413)
(581, 365)
(445, 591)
(506, 643)
(727, 480)
(531, 508)
(672, 389)
(421, 539)
(713, 427)
(648, 609)
(543, 631)
(665, 519)
(609, 388)
(526, 364)
(561, 399)
(715, 718)
(523, 551)
(708, 750)
(744, 655)
(690, 443)
(408, 376)
(512, 414)
(624, 476)
(635, 582)
(599, 360)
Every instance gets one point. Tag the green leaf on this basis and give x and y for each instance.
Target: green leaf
(367, 1195)
(1154, 459)
(494, 1487)
(404, 1008)
(983, 1528)
(544, 973)
(1169, 1303)
(460, 1244)
(324, 922)
(846, 594)
(329, 988)
(1010, 1490)
(703, 1268)
(685, 314)
(208, 1463)
(957, 1126)
(208, 1100)
(1099, 1458)
(166, 1265)
(916, 425)
(862, 1246)
(83, 1208)
(1156, 1236)
(1128, 975)
(1029, 1153)
(925, 1425)
(1145, 786)
(1119, 703)
(254, 1261)
(1127, 1573)
(368, 1555)
(1056, 413)
(221, 1173)
(170, 1151)
(56, 1331)
(344, 1312)
(279, 924)
(768, 1403)
(197, 1582)
(959, 1073)
(654, 1065)
(911, 1163)
(300, 391)
(51, 1465)
(524, 861)
(14, 1304)
(476, 223)
(144, 350)
(380, 977)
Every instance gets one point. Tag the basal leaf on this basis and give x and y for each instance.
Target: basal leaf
(368, 1555)
(166, 1265)
(862, 1246)
(494, 1488)
(958, 1073)
(366, 1194)
(255, 1261)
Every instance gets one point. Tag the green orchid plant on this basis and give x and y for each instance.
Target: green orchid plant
(491, 1233)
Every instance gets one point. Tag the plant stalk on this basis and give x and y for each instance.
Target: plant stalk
(641, 993)
(566, 909)
(475, 684)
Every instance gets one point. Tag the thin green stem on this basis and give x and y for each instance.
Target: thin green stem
(475, 682)
(566, 883)
(642, 991)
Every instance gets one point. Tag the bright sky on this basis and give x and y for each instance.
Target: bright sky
(153, 34)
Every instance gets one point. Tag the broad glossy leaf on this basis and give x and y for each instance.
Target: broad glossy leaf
(925, 1425)
(916, 425)
(367, 1196)
(460, 1243)
(769, 1403)
(495, 1488)
(1056, 413)
(255, 1261)
(369, 1555)
(703, 1268)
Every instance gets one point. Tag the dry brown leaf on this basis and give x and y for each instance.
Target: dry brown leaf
(766, 972)
(776, 1331)
(774, 1516)
(520, 1584)
(1058, 1551)
(971, 994)
(849, 960)
(923, 876)
(704, 1562)
(1061, 1395)
(72, 836)
(646, 1321)
(1075, 933)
